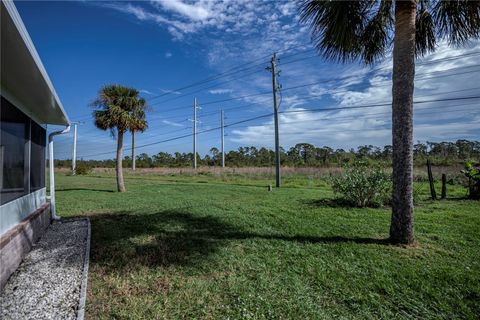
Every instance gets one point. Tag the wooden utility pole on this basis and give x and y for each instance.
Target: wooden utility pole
(275, 111)
(444, 186)
(195, 133)
(133, 150)
(223, 140)
(430, 180)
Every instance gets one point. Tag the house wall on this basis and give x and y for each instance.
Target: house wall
(14, 212)
(18, 241)
(24, 212)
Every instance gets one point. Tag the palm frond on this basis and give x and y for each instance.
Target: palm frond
(425, 32)
(457, 21)
(336, 26)
(376, 36)
(120, 108)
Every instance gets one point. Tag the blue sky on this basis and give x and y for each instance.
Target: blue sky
(161, 46)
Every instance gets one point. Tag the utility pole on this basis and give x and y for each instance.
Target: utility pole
(223, 140)
(195, 133)
(275, 110)
(133, 150)
(74, 150)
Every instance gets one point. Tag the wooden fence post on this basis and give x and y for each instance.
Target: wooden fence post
(430, 180)
(444, 186)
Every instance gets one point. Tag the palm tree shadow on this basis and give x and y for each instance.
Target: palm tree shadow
(125, 240)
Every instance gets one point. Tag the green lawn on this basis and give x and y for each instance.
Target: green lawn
(207, 247)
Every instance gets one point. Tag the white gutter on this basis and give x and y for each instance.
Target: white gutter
(51, 169)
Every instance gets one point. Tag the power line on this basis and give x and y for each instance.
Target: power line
(210, 79)
(362, 117)
(475, 53)
(355, 76)
(316, 97)
(369, 116)
(268, 99)
(290, 112)
(333, 80)
(205, 88)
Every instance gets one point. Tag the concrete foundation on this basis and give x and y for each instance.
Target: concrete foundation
(18, 241)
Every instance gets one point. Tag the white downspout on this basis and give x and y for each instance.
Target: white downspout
(51, 169)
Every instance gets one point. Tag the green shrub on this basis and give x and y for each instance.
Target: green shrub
(83, 169)
(472, 172)
(363, 186)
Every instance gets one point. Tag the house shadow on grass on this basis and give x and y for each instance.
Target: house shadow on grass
(174, 237)
(84, 189)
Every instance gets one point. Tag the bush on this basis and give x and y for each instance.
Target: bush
(472, 172)
(363, 186)
(83, 169)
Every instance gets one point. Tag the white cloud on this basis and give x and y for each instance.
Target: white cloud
(220, 91)
(168, 54)
(352, 127)
(181, 18)
(195, 11)
(258, 28)
(171, 123)
(146, 92)
(170, 91)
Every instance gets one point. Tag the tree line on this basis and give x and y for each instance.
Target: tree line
(302, 154)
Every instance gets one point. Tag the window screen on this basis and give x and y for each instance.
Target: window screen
(14, 133)
(37, 157)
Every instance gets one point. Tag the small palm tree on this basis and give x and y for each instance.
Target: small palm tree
(364, 30)
(120, 109)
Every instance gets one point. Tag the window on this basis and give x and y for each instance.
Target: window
(37, 157)
(14, 133)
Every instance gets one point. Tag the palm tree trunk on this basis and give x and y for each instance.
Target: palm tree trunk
(401, 229)
(119, 169)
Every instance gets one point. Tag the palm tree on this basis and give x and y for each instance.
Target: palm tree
(120, 109)
(139, 113)
(364, 30)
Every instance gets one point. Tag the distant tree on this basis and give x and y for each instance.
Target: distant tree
(420, 150)
(364, 151)
(117, 111)
(163, 159)
(144, 161)
(441, 152)
(363, 30)
(294, 155)
(265, 157)
(216, 155)
(323, 154)
(465, 148)
(387, 152)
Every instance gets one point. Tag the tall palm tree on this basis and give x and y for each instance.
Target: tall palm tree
(120, 109)
(139, 113)
(364, 30)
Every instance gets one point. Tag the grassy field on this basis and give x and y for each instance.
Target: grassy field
(215, 246)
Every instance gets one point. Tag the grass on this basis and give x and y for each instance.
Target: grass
(210, 247)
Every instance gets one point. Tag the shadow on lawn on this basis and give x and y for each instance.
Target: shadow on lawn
(330, 203)
(84, 189)
(336, 203)
(171, 237)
